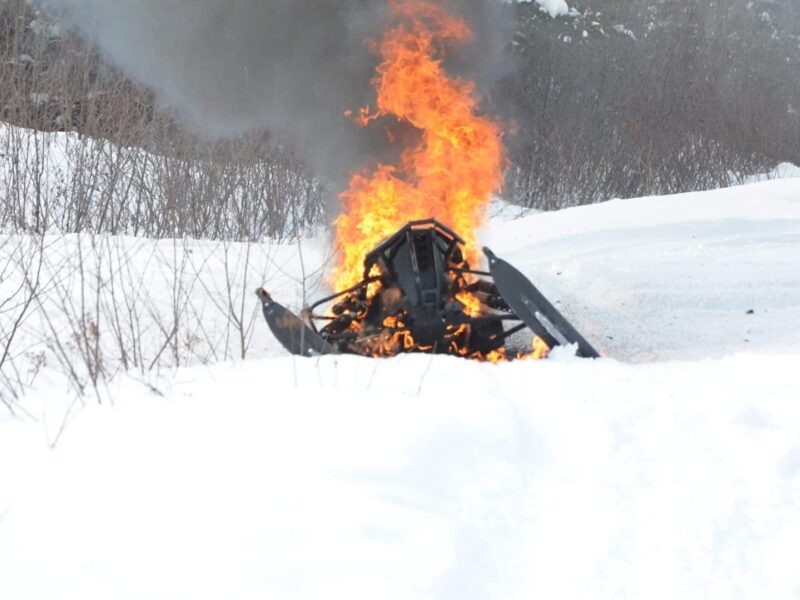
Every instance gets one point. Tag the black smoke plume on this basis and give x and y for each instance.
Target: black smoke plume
(290, 67)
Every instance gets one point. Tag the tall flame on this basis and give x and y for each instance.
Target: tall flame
(458, 164)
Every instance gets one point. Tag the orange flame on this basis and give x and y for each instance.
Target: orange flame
(456, 167)
(472, 306)
(539, 350)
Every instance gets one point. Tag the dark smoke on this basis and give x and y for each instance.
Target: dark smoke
(290, 67)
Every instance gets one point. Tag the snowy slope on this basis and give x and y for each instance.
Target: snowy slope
(671, 277)
(670, 469)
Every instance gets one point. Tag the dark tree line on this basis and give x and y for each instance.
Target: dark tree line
(644, 97)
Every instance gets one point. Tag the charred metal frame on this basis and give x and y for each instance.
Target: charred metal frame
(421, 272)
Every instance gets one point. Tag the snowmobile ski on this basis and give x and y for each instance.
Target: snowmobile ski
(289, 329)
(534, 309)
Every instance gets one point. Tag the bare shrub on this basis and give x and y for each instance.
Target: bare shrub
(21, 259)
(130, 169)
(643, 97)
(94, 306)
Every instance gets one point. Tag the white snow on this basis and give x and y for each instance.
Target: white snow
(671, 277)
(782, 171)
(554, 8)
(669, 469)
(415, 478)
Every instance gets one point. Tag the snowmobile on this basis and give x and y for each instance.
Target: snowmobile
(419, 294)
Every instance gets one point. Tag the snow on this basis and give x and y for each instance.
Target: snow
(554, 8)
(671, 277)
(415, 478)
(782, 171)
(668, 469)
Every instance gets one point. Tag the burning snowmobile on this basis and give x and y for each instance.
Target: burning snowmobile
(418, 294)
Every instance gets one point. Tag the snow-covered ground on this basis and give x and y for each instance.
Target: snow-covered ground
(669, 469)
(671, 277)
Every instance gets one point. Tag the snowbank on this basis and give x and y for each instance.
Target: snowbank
(414, 478)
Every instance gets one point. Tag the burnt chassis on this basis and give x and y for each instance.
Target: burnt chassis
(418, 273)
